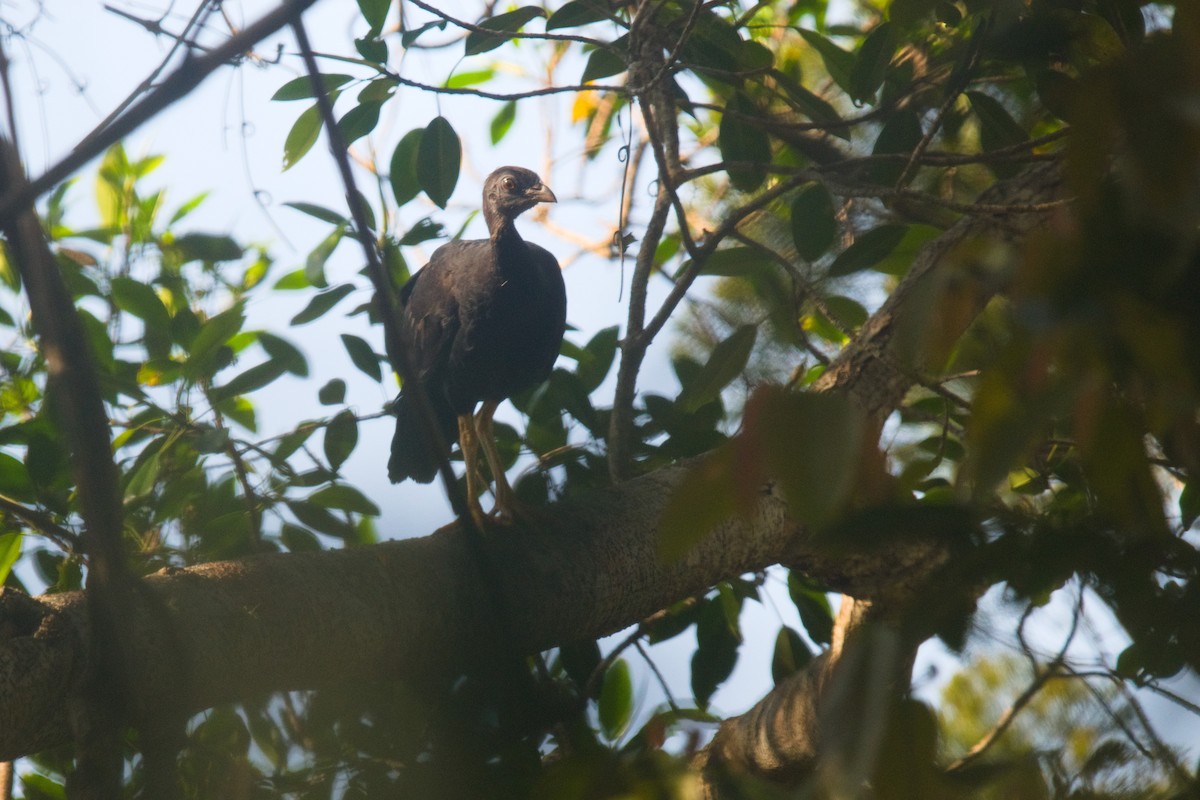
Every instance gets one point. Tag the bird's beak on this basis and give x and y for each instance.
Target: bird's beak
(541, 194)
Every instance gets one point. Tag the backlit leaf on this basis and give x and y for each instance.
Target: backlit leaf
(341, 437)
(10, 551)
(302, 136)
(301, 88)
(502, 122)
(615, 705)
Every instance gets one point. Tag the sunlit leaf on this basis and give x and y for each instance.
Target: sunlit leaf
(302, 136)
(615, 705)
(502, 122)
(10, 551)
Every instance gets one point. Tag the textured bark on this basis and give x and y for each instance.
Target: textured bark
(583, 569)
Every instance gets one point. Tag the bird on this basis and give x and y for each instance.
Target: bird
(481, 322)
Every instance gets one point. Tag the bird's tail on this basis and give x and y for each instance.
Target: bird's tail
(411, 456)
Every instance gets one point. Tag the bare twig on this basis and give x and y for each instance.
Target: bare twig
(178, 84)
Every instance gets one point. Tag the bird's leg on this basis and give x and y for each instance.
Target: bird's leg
(506, 499)
(468, 443)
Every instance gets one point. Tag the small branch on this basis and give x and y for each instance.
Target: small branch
(1053, 671)
(183, 80)
(43, 523)
(468, 26)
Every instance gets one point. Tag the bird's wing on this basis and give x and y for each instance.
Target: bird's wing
(430, 319)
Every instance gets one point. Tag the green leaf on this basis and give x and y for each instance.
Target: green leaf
(363, 356)
(342, 497)
(373, 50)
(868, 250)
(730, 262)
(359, 121)
(997, 127)
(900, 135)
(814, 222)
(332, 393)
(10, 551)
(704, 498)
(302, 136)
(463, 79)
(502, 122)
(508, 23)
(251, 380)
(716, 651)
(726, 362)
(375, 13)
(145, 475)
(813, 606)
(140, 299)
(597, 359)
(812, 106)
(213, 334)
(409, 36)
(578, 12)
(341, 437)
(402, 172)
(790, 656)
(314, 264)
(439, 156)
(297, 539)
(319, 519)
(740, 139)
(615, 705)
(321, 303)
(604, 62)
(301, 88)
(14, 480)
(207, 247)
(579, 660)
(284, 353)
(321, 213)
(872, 62)
(838, 63)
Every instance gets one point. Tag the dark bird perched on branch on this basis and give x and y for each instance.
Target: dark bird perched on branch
(482, 321)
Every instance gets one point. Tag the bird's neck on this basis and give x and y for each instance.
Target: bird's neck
(502, 230)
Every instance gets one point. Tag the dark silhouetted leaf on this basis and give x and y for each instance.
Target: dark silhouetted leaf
(363, 356)
(814, 223)
(790, 656)
(321, 303)
(727, 361)
(359, 121)
(741, 140)
(872, 62)
(438, 159)
(507, 23)
(603, 63)
(838, 63)
(284, 353)
(341, 437)
(341, 497)
(332, 393)
(578, 12)
(868, 250)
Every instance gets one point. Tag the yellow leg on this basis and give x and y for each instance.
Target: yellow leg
(506, 499)
(468, 442)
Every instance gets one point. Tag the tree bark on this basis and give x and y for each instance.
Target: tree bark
(585, 568)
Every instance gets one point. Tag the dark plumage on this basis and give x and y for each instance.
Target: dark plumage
(482, 321)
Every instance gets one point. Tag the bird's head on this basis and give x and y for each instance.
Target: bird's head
(511, 190)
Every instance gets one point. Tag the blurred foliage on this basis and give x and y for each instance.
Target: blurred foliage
(1056, 440)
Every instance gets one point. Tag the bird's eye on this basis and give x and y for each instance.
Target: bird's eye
(510, 184)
